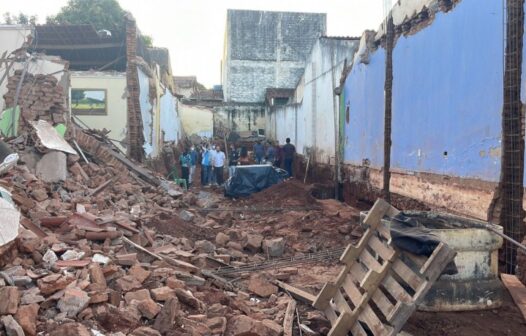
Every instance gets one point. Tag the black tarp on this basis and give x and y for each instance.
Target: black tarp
(409, 234)
(251, 179)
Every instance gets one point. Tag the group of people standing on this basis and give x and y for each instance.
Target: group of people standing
(275, 154)
(213, 159)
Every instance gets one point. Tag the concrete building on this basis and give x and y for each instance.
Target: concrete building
(266, 50)
(310, 116)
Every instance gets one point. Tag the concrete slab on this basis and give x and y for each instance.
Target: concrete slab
(52, 167)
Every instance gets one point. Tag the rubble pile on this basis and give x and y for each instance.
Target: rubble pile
(41, 97)
(86, 260)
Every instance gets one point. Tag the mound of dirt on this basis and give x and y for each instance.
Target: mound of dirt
(288, 193)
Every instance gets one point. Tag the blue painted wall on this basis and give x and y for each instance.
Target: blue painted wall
(364, 95)
(447, 94)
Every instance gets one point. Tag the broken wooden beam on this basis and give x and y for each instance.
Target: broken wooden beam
(296, 292)
(174, 262)
(517, 291)
(288, 320)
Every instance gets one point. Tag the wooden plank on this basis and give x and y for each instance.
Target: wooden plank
(383, 250)
(331, 315)
(352, 290)
(396, 290)
(373, 279)
(438, 260)
(377, 212)
(325, 296)
(352, 252)
(407, 274)
(296, 292)
(373, 322)
(517, 291)
(341, 304)
(383, 303)
(400, 315)
(342, 325)
(379, 298)
(370, 262)
(385, 232)
(357, 330)
(358, 272)
(288, 320)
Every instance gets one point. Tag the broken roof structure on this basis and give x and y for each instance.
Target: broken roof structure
(82, 46)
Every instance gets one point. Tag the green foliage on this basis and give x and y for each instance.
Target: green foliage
(21, 18)
(102, 14)
(147, 40)
(77, 95)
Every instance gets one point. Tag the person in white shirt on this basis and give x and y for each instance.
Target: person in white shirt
(213, 153)
(219, 163)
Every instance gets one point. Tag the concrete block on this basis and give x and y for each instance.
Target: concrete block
(52, 167)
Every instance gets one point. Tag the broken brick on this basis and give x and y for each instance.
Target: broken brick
(148, 308)
(53, 283)
(139, 295)
(260, 286)
(9, 300)
(162, 293)
(73, 301)
(26, 316)
(128, 283)
(139, 273)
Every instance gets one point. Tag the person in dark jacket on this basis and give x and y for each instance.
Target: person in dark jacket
(259, 152)
(271, 153)
(233, 160)
(288, 155)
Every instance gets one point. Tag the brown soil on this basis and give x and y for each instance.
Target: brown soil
(290, 193)
(505, 321)
(176, 227)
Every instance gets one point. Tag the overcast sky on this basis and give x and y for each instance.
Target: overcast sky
(193, 30)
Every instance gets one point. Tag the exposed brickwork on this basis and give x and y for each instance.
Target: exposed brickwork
(135, 135)
(99, 150)
(41, 97)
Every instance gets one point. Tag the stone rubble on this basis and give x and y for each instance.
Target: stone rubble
(72, 270)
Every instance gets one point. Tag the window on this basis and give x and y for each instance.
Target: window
(89, 102)
(281, 101)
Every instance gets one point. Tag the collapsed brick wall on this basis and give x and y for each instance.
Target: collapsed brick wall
(99, 150)
(41, 97)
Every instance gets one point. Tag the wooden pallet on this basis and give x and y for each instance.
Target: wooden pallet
(379, 286)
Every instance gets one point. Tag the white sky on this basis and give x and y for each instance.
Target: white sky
(193, 30)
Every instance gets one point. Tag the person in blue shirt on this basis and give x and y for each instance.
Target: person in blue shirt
(185, 160)
(206, 164)
(259, 152)
(193, 162)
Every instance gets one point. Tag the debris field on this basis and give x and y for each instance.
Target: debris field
(106, 247)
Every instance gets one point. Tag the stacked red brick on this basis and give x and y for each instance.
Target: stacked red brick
(41, 97)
